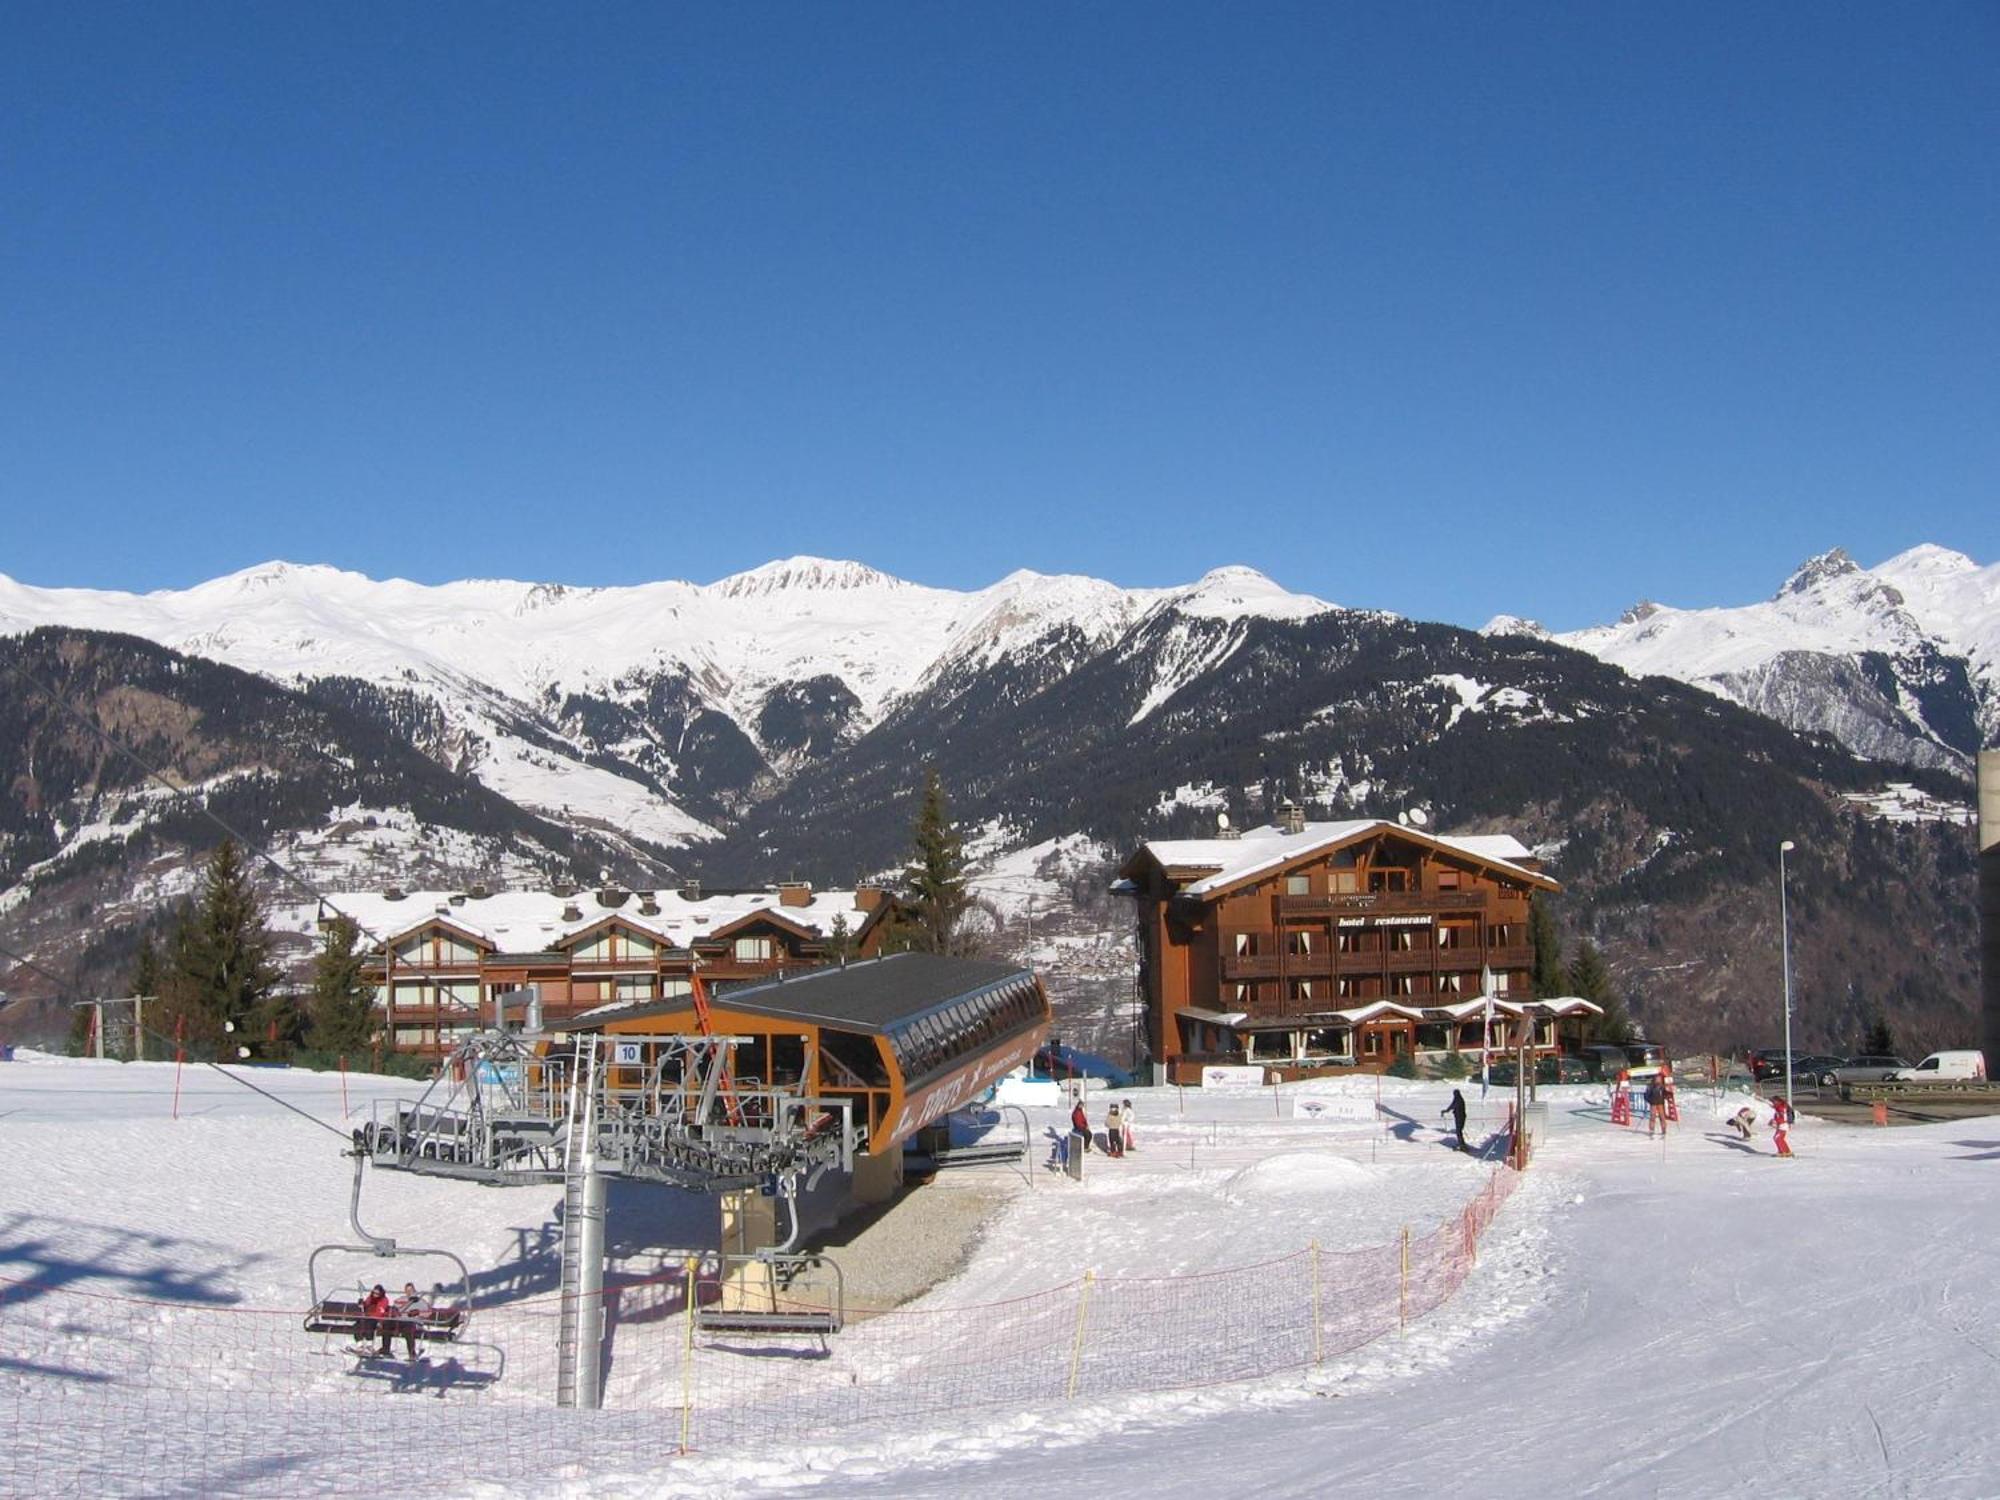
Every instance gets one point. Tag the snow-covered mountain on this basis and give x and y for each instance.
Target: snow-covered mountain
(1899, 661)
(659, 709)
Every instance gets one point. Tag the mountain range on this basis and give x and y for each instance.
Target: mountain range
(776, 723)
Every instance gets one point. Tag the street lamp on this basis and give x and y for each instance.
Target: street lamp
(1785, 943)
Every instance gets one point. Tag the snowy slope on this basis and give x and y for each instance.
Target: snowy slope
(1687, 1317)
(1897, 661)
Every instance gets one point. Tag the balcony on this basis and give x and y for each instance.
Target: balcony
(1277, 965)
(1359, 905)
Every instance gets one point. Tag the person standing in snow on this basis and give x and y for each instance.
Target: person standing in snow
(1456, 1109)
(1114, 1132)
(1126, 1121)
(1656, 1104)
(1079, 1124)
(1781, 1124)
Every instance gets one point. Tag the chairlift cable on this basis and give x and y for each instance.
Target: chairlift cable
(64, 986)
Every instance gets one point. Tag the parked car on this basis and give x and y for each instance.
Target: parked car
(1645, 1054)
(1769, 1062)
(1815, 1068)
(1563, 1070)
(1941, 1066)
(1869, 1067)
(1603, 1061)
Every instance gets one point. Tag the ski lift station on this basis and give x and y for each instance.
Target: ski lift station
(789, 1101)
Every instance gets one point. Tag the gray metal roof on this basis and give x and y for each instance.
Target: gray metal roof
(870, 996)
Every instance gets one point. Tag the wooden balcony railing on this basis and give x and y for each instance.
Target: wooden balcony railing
(1399, 901)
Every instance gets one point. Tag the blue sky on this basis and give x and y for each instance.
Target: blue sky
(1442, 309)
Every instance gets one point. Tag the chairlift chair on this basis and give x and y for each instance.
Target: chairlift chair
(445, 1320)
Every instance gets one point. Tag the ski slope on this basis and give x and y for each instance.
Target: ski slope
(1688, 1317)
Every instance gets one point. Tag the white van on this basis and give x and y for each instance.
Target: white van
(1942, 1067)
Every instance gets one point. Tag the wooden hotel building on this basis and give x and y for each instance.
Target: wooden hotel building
(1326, 947)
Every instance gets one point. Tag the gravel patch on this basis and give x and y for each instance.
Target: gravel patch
(925, 1235)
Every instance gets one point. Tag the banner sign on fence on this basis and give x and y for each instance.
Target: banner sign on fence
(1225, 1076)
(1343, 1111)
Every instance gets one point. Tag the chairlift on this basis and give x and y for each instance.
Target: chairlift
(446, 1313)
(772, 1293)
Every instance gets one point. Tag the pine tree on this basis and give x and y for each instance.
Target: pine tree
(342, 1003)
(1550, 979)
(935, 878)
(1591, 979)
(839, 940)
(218, 972)
(1880, 1041)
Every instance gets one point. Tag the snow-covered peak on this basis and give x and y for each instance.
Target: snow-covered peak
(793, 575)
(1514, 625)
(1817, 570)
(1237, 592)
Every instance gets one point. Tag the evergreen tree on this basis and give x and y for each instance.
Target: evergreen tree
(839, 940)
(935, 878)
(1550, 978)
(342, 1003)
(218, 971)
(146, 967)
(1880, 1040)
(1591, 979)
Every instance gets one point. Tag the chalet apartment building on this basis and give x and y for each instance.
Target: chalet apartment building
(446, 963)
(1322, 947)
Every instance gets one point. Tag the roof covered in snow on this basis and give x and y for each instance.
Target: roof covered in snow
(544, 921)
(1214, 864)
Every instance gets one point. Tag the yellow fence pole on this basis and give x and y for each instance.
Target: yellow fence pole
(1318, 1353)
(1076, 1345)
(687, 1357)
(1403, 1286)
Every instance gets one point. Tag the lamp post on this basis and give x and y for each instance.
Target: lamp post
(1785, 945)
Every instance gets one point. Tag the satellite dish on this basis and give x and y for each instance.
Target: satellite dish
(1418, 817)
(1222, 821)
(1403, 818)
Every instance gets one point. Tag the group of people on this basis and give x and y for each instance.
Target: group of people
(386, 1317)
(1117, 1127)
(1745, 1120)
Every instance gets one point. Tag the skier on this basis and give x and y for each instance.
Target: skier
(1456, 1109)
(1126, 1119)
(1742, 1121)
(375, 1310)
(1114, 1132)
(1656, 1104)
(410, 1309)
(1781, 1122)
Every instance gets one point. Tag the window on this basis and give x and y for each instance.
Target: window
(1392, 881)
(1346, 883)
(1500, 983)
(1448, 880)
(1298, 885)
(753, 949)
(1300, 942)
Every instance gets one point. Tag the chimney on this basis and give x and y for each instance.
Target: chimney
(480, 893)
(1291, 817)
(572, 913)
(691, 891)
(869, 897)
(795, 893)
(648, 907)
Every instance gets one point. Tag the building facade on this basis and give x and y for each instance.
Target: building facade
(1323, 947)
(446, 963)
